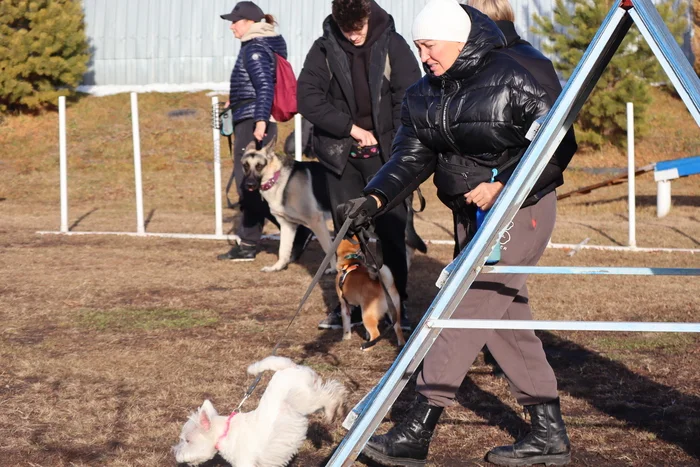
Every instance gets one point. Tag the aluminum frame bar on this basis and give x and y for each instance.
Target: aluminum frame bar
(620, 326)
(591, 270)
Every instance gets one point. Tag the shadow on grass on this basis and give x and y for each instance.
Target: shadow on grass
(600, 231)
(607, 385)
(81, 218)
(614, 389)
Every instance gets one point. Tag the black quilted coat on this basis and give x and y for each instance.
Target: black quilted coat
(463, 124)
(325, 92)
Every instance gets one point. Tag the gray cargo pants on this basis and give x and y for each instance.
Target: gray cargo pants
(498, 296)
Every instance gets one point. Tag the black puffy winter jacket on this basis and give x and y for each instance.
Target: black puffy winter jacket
(463, 124)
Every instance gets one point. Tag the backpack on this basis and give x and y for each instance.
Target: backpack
(284, 105)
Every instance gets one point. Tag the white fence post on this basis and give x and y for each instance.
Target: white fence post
(663, 197)
(216, 135)
(140, 227)
(63, 163)
(297, 137)
(630, 177)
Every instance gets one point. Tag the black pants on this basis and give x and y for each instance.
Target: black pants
(253, 207)
(390, 227)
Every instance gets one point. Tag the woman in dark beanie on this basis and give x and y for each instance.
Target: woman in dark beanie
(251, 94)
(468, 116)
(351, 89)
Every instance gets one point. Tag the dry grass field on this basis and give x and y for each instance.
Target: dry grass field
(108, 343)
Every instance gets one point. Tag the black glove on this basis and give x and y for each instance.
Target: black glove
(360, 210)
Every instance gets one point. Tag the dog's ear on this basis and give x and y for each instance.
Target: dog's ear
(251, 147)
(206, 413)
(269, 149)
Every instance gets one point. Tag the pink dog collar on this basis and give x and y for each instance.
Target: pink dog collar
(225, 433)
(271, 182)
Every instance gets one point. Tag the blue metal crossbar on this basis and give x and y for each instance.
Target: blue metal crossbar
(591, 270)
(676, 168)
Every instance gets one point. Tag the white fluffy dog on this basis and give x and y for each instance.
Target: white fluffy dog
(270, 435)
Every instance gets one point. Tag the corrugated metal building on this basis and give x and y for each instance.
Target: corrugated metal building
(184, 42)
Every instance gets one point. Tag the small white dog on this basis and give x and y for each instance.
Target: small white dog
(271, 435)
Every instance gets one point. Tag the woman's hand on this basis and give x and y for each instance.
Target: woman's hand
(363, 137)
(484, 195)
(259, 132)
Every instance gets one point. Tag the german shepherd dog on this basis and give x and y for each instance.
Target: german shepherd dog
(297, 193)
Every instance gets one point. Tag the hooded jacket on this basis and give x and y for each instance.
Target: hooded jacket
(253, 76)
(464, 123)
(326, 95)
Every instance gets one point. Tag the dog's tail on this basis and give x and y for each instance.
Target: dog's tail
(332, 398)
(272, 363)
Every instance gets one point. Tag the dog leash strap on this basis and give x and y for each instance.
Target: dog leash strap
(389, 300)
(322, 268)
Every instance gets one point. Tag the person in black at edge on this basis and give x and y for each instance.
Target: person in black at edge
(467, 116)
(351, 88)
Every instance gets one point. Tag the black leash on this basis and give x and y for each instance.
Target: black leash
(231, 205)
(421, 201)
(326, 260)
(390, 303)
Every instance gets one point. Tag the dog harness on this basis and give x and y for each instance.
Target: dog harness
(225, 433)
(347, 270)
(271, 182)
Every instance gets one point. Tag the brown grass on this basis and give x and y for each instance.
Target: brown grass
(108, 343)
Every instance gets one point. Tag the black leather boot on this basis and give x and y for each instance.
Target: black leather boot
(547, 443)
(406, 444)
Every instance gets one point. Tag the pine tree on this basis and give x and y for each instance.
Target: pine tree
(43, 52)
(627, 77)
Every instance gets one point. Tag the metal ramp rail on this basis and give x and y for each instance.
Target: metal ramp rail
(471, 260)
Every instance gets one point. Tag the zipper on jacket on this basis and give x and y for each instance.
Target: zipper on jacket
(444, 110)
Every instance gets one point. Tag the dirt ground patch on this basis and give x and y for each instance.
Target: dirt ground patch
(108, 343)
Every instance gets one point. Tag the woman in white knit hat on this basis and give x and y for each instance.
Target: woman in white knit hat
(463, 122)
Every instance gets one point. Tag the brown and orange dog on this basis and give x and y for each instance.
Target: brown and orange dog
(356, 287)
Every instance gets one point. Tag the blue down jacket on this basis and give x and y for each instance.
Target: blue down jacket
(253, 76)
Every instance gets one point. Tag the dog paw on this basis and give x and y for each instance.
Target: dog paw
(330, 270)
(347, 336)
(273, 268)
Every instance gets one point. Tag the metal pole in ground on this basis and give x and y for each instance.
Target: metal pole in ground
(630, 176)
(217, 167)
(63, 164)
(140, 227)
(297, 137)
